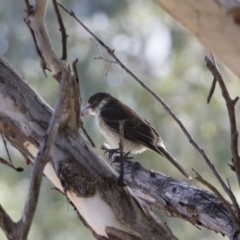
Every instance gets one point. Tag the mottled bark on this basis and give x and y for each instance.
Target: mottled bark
(179, 199)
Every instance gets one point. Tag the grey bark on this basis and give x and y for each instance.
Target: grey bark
(179, 199)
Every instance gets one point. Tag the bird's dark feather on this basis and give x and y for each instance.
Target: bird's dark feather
(136, 128)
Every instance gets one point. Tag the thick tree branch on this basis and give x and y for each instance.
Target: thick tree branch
(225, 203)
(178, 199)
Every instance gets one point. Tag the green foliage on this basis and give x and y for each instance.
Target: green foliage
(158, 51)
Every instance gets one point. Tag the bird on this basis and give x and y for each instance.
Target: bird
(138, 134)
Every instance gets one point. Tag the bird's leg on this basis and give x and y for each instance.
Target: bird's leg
(122, 156)
(121, 173)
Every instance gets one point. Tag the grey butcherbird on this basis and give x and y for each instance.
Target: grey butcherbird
(138, 135)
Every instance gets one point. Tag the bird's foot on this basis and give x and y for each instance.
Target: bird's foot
(117, 159)
(111, 152)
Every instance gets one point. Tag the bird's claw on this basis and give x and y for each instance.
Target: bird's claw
(117, 159)
(111, 152)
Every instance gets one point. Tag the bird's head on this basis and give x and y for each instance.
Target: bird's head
(95, 102)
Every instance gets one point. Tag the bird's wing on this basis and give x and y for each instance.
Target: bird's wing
(136, 128)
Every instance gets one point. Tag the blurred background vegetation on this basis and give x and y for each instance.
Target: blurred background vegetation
(164, 56)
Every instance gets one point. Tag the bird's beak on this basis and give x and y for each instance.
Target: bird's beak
(85, 111)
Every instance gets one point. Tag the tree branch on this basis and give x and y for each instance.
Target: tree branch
(7, 224)
(62, 30)
(233, 128)
(225, 203)
(178, 199)
(36, 22)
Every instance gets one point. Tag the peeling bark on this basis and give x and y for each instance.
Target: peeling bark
(178, 199)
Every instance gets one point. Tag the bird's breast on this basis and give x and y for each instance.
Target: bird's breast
(113, 137)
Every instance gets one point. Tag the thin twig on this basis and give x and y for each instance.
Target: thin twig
(75, 73)
(3, 161)
(88, 137)
(29, 7)
(229, 186)
(121, 142)
(235, 100)
(43, 64)
(6, 148)
(211, 90)
(62, 30)
(167, 109)
(225, 203)
(103, 58)
(30, 10)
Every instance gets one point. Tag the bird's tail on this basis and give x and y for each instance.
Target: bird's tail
(163, 151)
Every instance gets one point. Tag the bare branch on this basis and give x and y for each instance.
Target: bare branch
(211, 90)
(103, 58)
(219, 195)
(29, 7)
(88, 137)
(233, 127)
(62, 30)
(7, 224)
(19, 169)
(175, 198)
(235, 100)
(36, 22)
(5, 162)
